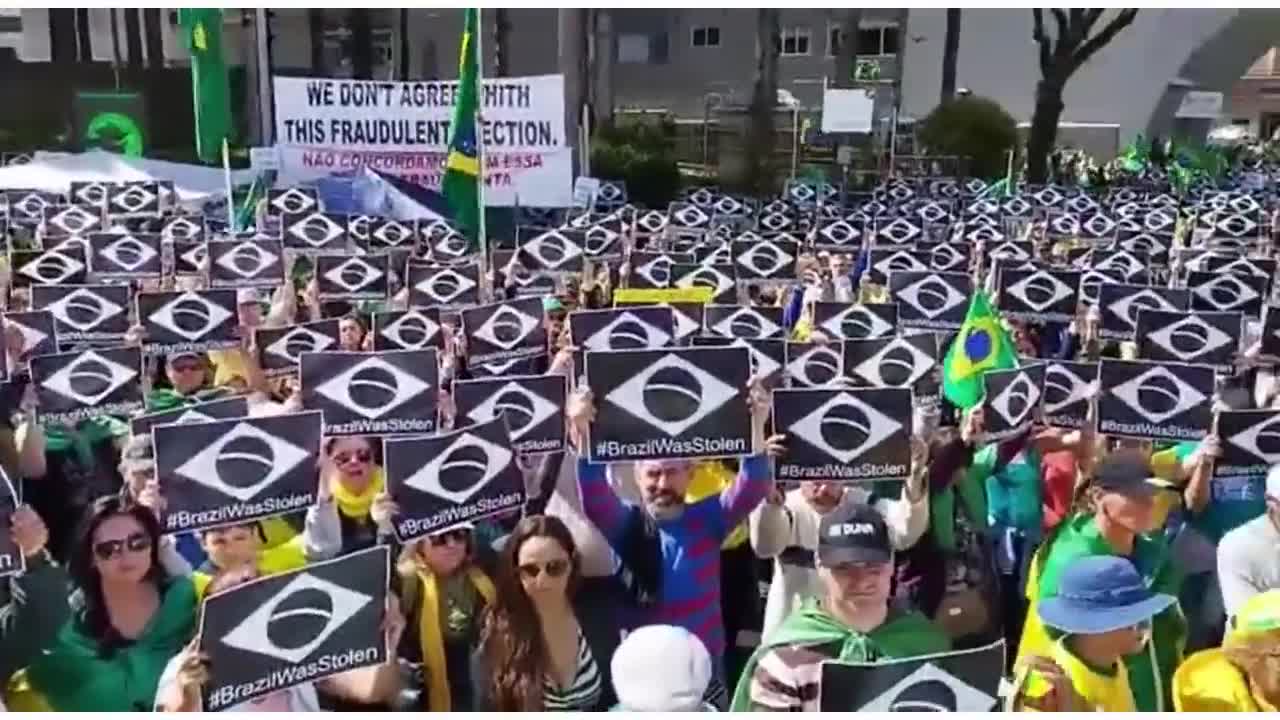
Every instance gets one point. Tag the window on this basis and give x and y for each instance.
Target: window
(879, 40)
(835, 38)
(642, 49)
(794, 42)
(706, 37)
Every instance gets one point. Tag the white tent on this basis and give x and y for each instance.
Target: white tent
(54, 172)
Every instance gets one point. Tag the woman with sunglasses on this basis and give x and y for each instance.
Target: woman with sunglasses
(535, 654)
(128, 618)
(443, 594)
(356, 481)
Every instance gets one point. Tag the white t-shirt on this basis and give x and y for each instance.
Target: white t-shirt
(1248, 562)
(299, 698)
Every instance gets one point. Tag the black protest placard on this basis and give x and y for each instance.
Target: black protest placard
(765, 260)
(1040, 295)
(133, 256)
(557, 251)
(280, 348)
(451, 247)
(189, 258)
(246, 263)
(384, 234)
(71, 220)
(294, 627)
(1225, 292)
(507, 368)
(626, 328)
(1155, 401)
(234, 471)
(94, 314)
(189, 321)
(1066, 392)
(134, 200)
(768, 357)
(677, 403)
(1271, 331)
(315, 232)
(849, 321)
(462, 476)
(1250, 447)
(844, 434)
(292, 201)
(505, 331)
(814, 364)
(1199, 338)
(12, 561)
(531, 405)
(961, 681)
(75, 386)
(720, 278)
(651, 270)
(27, 206)
(444, 287)
(1012, 400)
(415, 329)
(1120, 305)
(516, 276)
(884, 262)
(39, 337)
(384, 393)
(352, 277)
(891, 362)
(48, 267)
(180, 227)
(931, 300)
(232, 407)
(90, 194)
(749, 323)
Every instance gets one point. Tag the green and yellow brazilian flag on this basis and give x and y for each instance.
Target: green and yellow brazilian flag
(981, 345)
(461, 184)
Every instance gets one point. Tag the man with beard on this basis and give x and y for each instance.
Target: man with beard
(785, 528)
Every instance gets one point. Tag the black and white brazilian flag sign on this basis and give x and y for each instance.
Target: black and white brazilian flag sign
(768, 357)
(85, 313)
(1066, 392)
(931, 300)
(891, 362)
(236, 470)
(757, 260)
(74, 386)
(124, 257)
(846, 321)
(505, 331)
(749, 323)
(654, 404)
(415, 329)
(506, 368)
(1156, 401)
(280, 348)
(1227, 292)
(1206, 338)
(352, 277)
(188, 321)
(532, 405)
(48, 267)
(442, 480)
(12, 561)
(390, 392)
(630, 328)
(134, 199)
(961, 681)
(292, 201)
(814, 364)
(37, 331)
(1250, 447)
(841, 434)
(233, 407)
(445, 287)
(1012, 400)
(1120, 305)
(294, 627)
(315, 232)
(189, 257)
(1043, 295)
(246, 263)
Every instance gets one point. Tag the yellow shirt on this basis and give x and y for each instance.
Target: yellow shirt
(1101, 692)
(227, 366)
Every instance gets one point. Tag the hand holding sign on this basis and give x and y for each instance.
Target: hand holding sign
(28, 531)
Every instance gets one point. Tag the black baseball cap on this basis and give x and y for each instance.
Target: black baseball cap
(853, 534)
(1128, 472)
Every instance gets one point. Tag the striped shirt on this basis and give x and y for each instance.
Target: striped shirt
(788, 678)
(583, 694)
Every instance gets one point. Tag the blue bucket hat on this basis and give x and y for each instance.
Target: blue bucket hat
(1100, 594)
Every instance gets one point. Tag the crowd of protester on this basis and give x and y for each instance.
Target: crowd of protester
(1119, 578)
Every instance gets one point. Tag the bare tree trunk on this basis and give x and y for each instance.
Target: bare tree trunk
(764, 98)
(571, 34)
(402, 44)
(501, 42)
(847, 56)
(361, 27)
(315, 28)
(950, 55)
(602, 68)
(1044, 129)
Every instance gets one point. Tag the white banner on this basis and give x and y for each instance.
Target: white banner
(326, 126)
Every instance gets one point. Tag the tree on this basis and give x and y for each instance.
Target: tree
(315, 29)
(402, 44)
(501, 42)
(360, 23)
(950, 55)
(847, 52)
(764, 99)
(1074, 42)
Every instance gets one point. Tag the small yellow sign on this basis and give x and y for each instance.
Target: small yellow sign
(198, 38)
(638, 296)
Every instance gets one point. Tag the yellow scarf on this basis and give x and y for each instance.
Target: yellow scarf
(432, 637)
(356, 505)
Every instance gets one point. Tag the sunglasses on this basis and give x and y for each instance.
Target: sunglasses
(360, 456)
(109, 549)
(187, 367)
(458, 536)
(553, 569)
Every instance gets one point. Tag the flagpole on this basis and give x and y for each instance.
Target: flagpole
(226, 169)
(481, 234)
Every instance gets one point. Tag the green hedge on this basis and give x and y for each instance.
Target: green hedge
(974, 127)
(641, 154)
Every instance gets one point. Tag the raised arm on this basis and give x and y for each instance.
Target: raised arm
(600, 503)
(755, 478)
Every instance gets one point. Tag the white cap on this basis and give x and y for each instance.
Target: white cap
(661, 668)
(1273, 483)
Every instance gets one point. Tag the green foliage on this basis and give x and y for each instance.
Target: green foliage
(973, 127)
(642, 154)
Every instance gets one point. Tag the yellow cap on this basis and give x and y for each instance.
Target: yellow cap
(1260, 613)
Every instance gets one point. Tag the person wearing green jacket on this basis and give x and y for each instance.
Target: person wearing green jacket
(33, 603)
(129, 618)
(852, 622)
